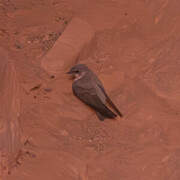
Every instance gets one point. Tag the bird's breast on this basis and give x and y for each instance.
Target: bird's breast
(88, 87)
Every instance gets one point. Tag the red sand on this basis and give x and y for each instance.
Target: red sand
(135, 52)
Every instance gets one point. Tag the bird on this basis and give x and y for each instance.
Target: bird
(89, 89)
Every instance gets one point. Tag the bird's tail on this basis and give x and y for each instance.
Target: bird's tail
(106, 112)
(113, 106)
(111, 103)
(109, 115)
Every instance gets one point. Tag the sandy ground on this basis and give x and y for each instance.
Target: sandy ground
(135, 52)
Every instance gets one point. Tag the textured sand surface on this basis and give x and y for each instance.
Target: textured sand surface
(133, 46)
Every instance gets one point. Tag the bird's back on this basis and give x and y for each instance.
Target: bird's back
(89, 85)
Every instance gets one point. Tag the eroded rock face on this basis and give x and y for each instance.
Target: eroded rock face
(66, 49)
(135, 52)
(9, 112)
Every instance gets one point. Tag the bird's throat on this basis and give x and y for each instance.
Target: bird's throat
(79, 76)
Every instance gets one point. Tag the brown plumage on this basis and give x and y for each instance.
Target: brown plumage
(89, 89)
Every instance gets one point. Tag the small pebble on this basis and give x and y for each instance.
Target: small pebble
(48, 89)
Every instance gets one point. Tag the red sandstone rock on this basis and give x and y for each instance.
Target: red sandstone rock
(9, 112)
(135, 52)
(66, 49)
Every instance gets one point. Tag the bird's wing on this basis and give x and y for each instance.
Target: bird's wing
(110, 102)
(90, 97)
(100, 116)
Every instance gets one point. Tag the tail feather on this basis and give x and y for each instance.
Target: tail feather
(113, 106)
(111, 103)
(100, 116)
(109, 114)
(105, 112)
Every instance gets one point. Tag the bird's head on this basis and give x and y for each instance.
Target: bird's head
(78, 71)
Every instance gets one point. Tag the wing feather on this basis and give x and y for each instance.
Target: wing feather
(90, 98)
